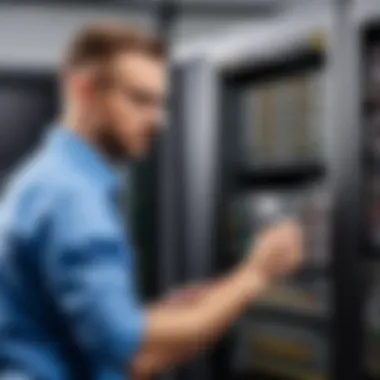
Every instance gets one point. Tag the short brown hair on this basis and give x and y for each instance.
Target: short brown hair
(100, 42)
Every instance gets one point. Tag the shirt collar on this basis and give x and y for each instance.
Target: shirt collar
(85, 156)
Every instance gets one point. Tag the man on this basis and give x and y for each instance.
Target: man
(68, 308)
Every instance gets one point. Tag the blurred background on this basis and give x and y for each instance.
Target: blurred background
(274, 111)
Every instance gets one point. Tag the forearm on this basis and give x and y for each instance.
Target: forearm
(177, 332)
(199, 322)
(166, 356)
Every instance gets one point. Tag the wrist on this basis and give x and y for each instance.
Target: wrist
(253, 281)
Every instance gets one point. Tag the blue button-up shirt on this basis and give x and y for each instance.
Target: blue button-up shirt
(68, 308)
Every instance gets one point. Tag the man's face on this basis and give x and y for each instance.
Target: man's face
(133, 108)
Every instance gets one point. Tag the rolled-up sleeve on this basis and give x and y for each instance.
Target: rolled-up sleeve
(90, 279)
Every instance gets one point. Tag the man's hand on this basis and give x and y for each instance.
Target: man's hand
(278, 252)
(197, 317)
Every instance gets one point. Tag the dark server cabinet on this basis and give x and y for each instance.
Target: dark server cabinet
(273, 167)
(253, 153)
(28, 104)
(370, 59)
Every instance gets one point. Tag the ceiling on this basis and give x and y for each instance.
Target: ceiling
(39, 29)
(195, 7)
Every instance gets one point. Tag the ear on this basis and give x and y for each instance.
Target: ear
(83, 84)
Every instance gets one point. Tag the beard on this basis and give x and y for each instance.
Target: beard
(117, 152)
(112, 146)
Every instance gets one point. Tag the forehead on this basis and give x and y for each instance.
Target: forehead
(141, 70)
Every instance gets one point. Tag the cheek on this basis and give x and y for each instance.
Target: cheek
(122, 119)
(117, 109)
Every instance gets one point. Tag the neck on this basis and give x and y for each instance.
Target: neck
(72, 121)
(92, 134)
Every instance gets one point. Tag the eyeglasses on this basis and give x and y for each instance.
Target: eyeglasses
(142, 98)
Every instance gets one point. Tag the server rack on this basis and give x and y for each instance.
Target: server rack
(369, 44)
(342, 169)
(206, 168)
(240, 178)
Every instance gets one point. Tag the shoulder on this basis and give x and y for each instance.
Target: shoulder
(47, 186)
(40, 176)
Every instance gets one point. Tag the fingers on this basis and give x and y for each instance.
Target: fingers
(280, 250)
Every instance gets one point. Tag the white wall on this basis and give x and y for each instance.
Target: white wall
(259, 37)
(34, 36)
(366, 9)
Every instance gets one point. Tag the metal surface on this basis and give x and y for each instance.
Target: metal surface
(171, 221)
(166, 15)
(348, 227)
(201, 137)
(230, 8)
(171, 189)
(199, 166)
(199, 8)
(138, 5)
(169, 163)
